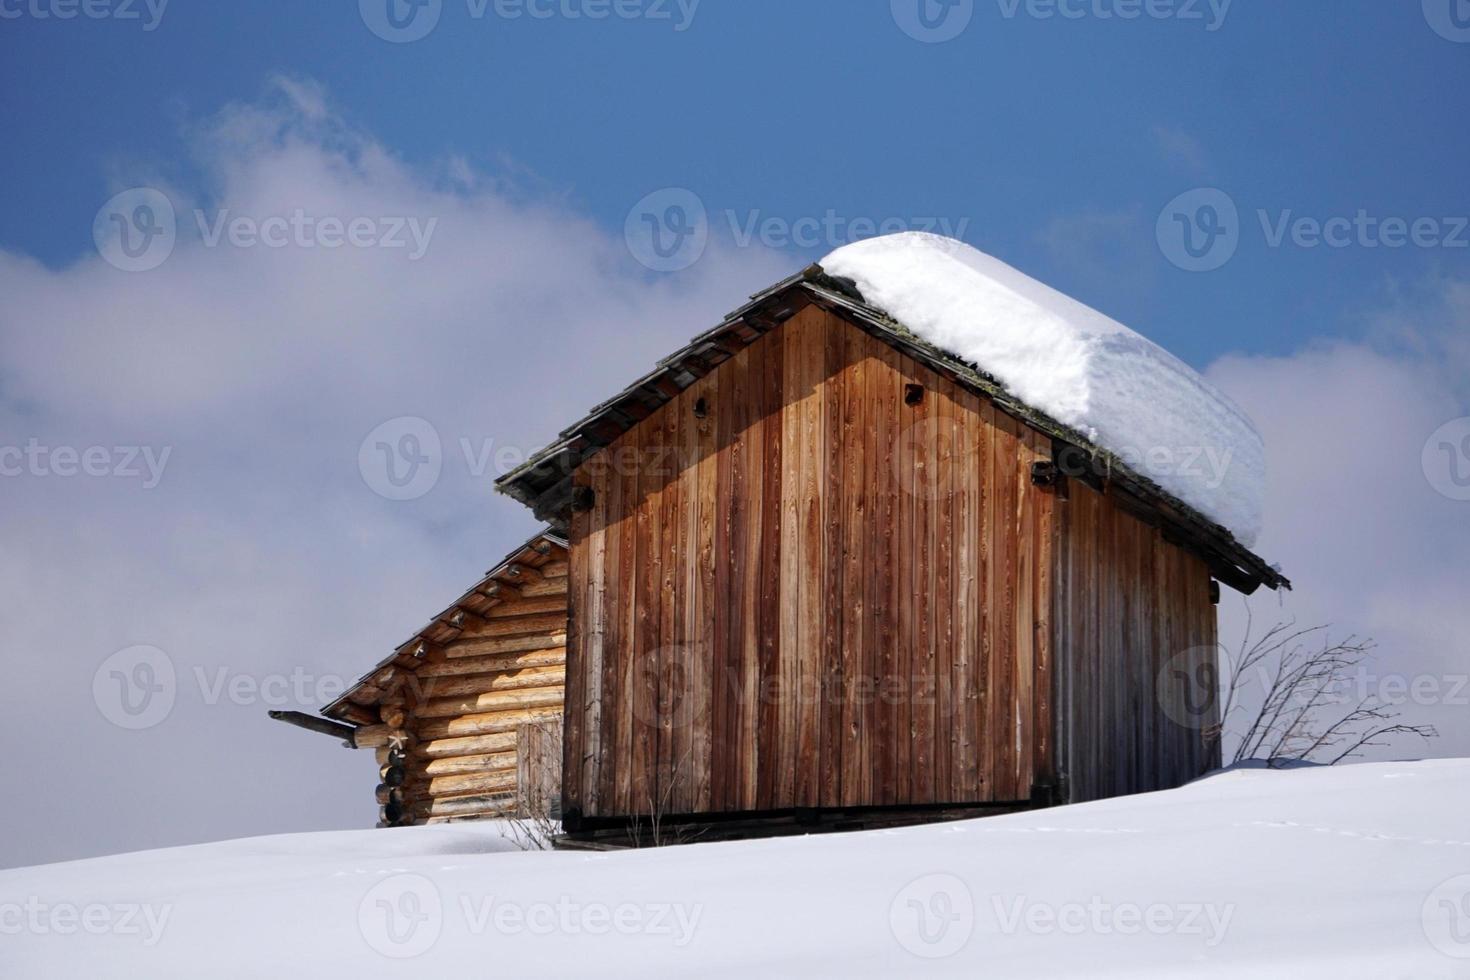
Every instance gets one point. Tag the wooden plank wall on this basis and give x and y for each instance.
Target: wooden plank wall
(1133, 614)
(538, 769)
(472, 696)
(795, 589)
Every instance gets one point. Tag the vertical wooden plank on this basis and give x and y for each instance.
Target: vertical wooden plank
(885, 400)
(911, 431)
(594, 637)
(1062, 639)
(789, 688)
(772, 616)
(1024, 612)
(947, 602)
(991, 596)
(752, 441)
(1122, 560)
(674, 663)
(576, 703)
(1007, 511)
(728, 469)
(833, 448)
(707, 680)
(919, 691)
(1089, 642)
(631, 574)
(694, 683)
(603, 798)
(968, 464)
(646, 650)
(856, 529)
(1044, 616)
(811, 418)
(742, 411)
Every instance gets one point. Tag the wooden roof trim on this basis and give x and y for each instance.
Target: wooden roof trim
(352, 706)
(543, 482)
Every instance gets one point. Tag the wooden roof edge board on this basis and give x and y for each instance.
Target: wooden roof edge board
(531, 480)
(402, 658)
(543, 481)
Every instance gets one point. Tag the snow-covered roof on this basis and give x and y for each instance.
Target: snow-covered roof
(1122, 391)
(1120, 409)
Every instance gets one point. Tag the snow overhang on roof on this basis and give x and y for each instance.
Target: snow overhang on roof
(544, 482)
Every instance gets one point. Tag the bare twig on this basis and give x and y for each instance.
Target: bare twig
(1300, 718)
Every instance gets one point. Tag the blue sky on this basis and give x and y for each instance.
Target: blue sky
(257, 545)
(1058, 140)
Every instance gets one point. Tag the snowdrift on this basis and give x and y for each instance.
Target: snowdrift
(1360, 871)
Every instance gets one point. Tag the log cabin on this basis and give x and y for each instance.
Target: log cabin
(822, 573)
(465, 716)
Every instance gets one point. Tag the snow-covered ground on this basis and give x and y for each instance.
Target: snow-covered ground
(1360, 871)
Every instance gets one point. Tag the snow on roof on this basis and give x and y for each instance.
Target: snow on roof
(1087, 371)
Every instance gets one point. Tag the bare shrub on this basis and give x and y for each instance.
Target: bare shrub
(1307, 712)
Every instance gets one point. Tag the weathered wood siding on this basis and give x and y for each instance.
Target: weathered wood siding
(1135, 654)
(796, 589)
(469, 703)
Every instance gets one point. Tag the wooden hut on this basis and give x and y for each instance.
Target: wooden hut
(824, 573)
(465, 717)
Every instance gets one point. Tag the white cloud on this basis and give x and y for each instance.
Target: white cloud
(262, 549)
(1373, 547)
